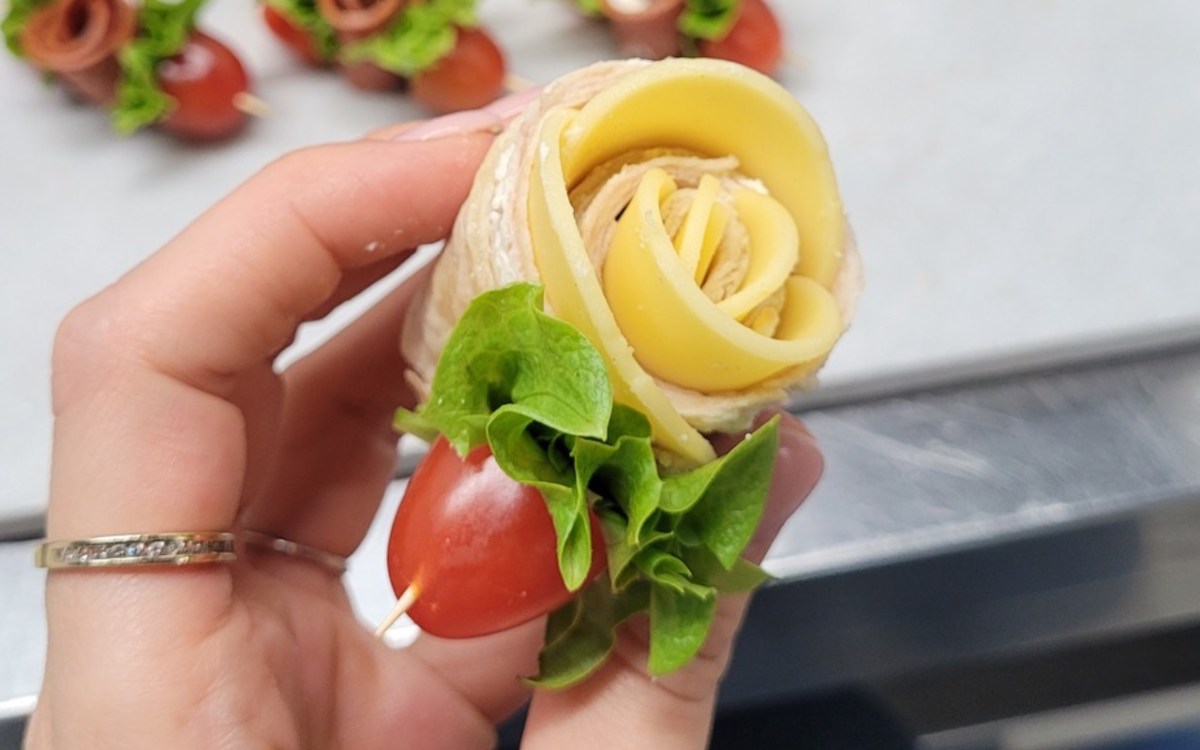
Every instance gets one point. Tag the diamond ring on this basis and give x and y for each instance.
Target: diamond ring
(182, 548)
(167, 549)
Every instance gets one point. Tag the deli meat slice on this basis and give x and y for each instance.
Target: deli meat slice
(78, 40)
(354, 20)
(645, 28)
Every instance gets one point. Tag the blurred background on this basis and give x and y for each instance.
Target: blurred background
(1003, 553)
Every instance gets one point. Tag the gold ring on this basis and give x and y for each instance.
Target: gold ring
(336, 563)
(179, 548)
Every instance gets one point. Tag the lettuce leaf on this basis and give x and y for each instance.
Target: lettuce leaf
(14, 22)
(304, 15)
(588, 7)
(707, 19)
(421, 34)
(505, 355)
(537, 392)
(163, 30)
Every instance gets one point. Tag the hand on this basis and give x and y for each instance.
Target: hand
(170, 417)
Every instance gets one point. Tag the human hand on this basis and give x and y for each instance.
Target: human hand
(170, 417)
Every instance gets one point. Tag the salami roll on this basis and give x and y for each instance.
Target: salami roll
(353, 20)
(77, 41)
(645, 28)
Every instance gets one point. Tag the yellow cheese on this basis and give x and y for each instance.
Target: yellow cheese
(717, 108)
(573, 291)
(678, 334)
(695, 236)
(774, 249)
(649, 316)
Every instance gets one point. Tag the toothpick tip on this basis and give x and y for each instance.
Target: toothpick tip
(251, 105)
(408, 597)
(515, 84)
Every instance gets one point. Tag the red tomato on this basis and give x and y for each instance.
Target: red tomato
(478, 546)
(205, 79)
(754, 39)
(295, 37)
(470, 76)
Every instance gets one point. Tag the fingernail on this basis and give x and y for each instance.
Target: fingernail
(511, 105)
(459, 123)
(792, 429)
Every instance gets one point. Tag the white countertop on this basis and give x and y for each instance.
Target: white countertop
(1020, 174)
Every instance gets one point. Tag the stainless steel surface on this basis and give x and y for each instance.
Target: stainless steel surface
(1170, 716)
(1026, 513)
(942, 469)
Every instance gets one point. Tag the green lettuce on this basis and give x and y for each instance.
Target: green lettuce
(163, 30)
(304, 15)
(537, 392)
(420, 35)
(14, 22)
(707, 19)
(589, 7)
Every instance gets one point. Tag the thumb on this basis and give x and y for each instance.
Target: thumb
(623, 706)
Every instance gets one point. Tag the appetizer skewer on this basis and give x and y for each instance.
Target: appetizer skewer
(650, 252)
(433, 48)
(148, 64)
(742, 31)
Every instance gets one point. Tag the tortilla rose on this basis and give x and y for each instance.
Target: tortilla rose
(683, 215)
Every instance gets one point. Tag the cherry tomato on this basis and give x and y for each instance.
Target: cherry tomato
(295, 37)
(205, 79)
(470, 76)
(478, 546)
(754, 39)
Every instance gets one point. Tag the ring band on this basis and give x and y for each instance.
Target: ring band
(336, 563)
(181, 548)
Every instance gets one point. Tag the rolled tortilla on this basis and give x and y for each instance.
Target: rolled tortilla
(78, 40)
(684, 216)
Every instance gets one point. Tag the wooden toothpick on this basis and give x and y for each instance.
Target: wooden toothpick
(407, 598)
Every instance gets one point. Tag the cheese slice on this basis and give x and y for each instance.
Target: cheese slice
(678, 334)
(716, 108)
(698, 237)
(573, 292)
(648, 316)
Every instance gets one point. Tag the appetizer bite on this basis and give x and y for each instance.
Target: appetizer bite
(650, 252)
(146, 63)
(742, 31)
(433, 48)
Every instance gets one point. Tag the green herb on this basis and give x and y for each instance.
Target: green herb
(421, 34)
(163, 30)
(707, 19)
(537, 392)
(304, 15)
(589, 7)
(14, 22)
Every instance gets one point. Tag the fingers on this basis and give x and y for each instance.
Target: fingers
(336, 450)
(487, 671)
(144, 438)
(622, 706)
(493, 117)
(163, 380)
(798, 467)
